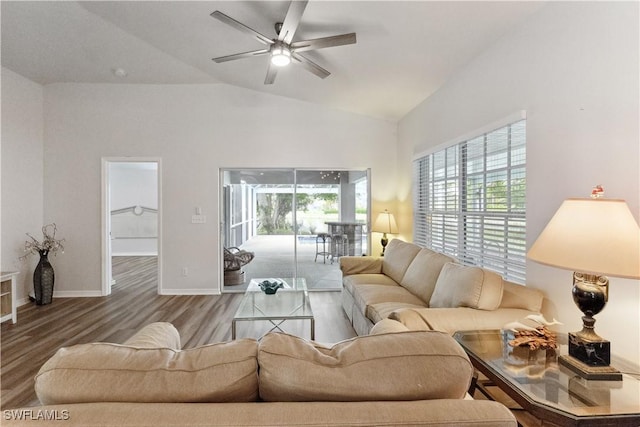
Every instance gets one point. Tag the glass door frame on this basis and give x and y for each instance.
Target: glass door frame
(223, 227)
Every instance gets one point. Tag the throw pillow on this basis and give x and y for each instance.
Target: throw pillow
(463, 286)
(423, 272)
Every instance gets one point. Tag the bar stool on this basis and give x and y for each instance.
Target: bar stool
(339, 246)
(322, 239)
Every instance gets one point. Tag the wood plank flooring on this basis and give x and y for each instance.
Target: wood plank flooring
(202, 319)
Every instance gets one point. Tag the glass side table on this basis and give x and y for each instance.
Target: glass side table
(550, 391)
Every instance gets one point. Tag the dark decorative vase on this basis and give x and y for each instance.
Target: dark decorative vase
(43, 279)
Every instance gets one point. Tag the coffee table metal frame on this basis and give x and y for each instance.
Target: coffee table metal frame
(289, 303)
(536, 383)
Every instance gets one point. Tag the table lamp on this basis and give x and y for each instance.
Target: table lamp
(385, 223)
(592, 237)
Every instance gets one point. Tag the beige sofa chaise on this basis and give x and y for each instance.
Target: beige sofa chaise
(426, 290)
(402, 379)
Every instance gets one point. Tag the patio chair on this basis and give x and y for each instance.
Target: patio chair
(234, 260)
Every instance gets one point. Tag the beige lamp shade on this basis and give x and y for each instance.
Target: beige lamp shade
(596, 236)
(385, 223)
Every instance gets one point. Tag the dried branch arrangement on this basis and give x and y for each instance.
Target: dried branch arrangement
(540, 338)
(48, 244)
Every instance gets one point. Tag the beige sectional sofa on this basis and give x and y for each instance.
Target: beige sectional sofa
(401, 379)
(426, 290)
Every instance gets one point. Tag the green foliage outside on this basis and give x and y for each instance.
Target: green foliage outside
(275, 210)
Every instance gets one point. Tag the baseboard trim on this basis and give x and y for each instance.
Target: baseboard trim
(76, 294)
(22, 301)
(189, 292)
(131, 254)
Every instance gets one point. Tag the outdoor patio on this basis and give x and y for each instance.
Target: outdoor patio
(274, 257)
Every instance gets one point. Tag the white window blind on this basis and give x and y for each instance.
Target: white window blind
(470, 201)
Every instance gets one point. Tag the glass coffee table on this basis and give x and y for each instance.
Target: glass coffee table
(290, 302)
(550, 391)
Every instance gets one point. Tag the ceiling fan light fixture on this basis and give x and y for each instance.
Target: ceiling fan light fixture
(280, 56)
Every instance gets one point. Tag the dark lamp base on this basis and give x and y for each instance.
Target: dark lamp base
(597, 373)
(384, 241)
(590, 358)
(592, 353)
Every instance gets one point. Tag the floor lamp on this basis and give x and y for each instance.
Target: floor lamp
(385, 223)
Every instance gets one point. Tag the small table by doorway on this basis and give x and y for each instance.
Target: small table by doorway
(291, 302)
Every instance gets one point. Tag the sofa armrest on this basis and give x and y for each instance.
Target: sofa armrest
(156, 335)
(360, 265)
(411, 319)
(520, 296)
(387, 326)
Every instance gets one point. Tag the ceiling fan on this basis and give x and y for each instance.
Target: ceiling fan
(282, 49)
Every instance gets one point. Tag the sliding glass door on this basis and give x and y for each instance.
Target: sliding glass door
(285, 219)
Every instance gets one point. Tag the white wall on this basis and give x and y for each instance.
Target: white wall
(195, 129)
(22, 165)
(574, 68)
(133, 184)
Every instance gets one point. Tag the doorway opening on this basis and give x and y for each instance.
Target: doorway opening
(295, 223)
(131, 224)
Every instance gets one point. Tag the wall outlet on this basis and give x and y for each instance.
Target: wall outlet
(185, 271)
(198, 219)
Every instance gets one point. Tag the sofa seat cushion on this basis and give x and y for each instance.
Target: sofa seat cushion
(367, 279)
(366, 295)
(464, 286)
(382, 310)
(451, 320)
(396, 366)
(422, 274)
(398, 256)
(101, 372)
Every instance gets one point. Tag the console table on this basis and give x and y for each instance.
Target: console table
(8, 309)
(549, 391)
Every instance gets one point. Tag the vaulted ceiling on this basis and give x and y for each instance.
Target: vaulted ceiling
(405, 49)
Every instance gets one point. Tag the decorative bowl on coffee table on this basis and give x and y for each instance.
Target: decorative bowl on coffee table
(270, 287)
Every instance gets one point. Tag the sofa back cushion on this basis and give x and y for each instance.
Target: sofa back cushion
(397, 257)
(422, 274)
(463, 286)
(101, 372)
(519, 296)
(395, 366)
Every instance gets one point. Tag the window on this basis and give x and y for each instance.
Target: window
(470, 201)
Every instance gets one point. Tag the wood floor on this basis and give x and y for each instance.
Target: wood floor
(42, 330)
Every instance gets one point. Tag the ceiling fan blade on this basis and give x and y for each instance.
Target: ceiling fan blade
(323, 42)
(272, 70)
(292, 20)
(241, 55)
(239, 26)
(311, 66)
